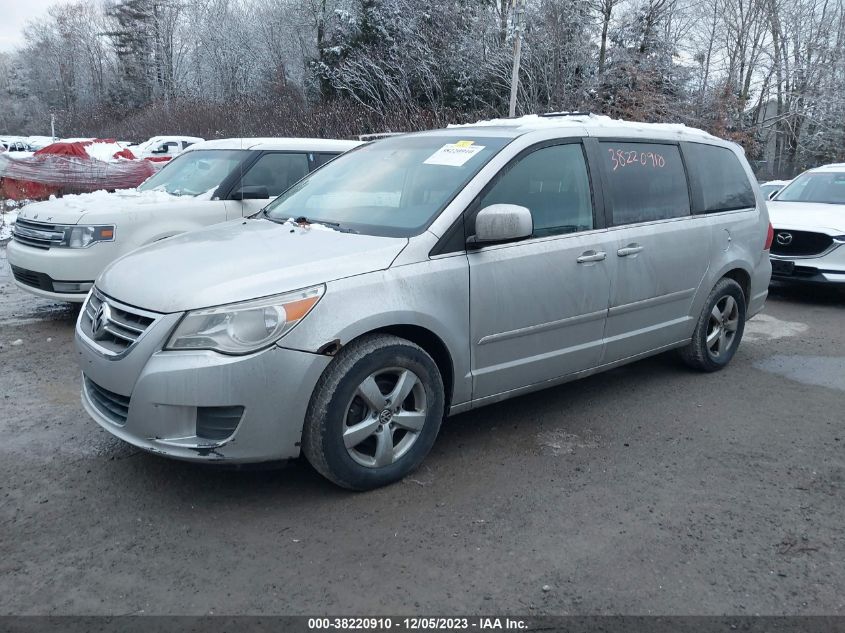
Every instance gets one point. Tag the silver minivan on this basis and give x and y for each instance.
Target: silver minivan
(421, 276)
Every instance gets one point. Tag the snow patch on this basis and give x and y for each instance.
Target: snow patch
(7, 221)
(765, 327)
(577, 120)
(106, 201)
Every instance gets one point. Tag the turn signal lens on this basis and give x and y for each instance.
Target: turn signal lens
(770, 236)
(81, 236)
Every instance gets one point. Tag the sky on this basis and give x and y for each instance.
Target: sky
(14, 14)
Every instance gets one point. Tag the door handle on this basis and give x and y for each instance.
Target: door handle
(591, 256)
(631, 249)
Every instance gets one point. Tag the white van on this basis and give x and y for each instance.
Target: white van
(60, 246)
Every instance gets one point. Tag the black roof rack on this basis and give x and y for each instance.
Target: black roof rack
(549, 115)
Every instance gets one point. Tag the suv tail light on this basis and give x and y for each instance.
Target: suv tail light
(770, 236)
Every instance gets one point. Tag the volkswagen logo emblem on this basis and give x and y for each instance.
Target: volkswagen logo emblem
(784, 239)
(385, 416)
(101, 319)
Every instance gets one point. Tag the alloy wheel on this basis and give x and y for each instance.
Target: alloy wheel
(384, 417)
(722, 327)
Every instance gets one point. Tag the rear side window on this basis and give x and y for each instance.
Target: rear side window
(646, 182)
(721, 178)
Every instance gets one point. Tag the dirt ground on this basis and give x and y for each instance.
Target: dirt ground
(646, 490)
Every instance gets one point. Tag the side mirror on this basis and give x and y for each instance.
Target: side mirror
(502, 223)
(253, 192)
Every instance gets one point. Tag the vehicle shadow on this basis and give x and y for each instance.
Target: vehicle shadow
(502, 429)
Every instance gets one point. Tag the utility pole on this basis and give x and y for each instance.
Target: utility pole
(53, 126)
(518, 13)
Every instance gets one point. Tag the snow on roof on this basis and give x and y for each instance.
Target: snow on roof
(158, 141)
(831, 167)
(295, 144)
(533, 122)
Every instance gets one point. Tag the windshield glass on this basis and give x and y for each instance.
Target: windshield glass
(825, 187)
(195, 172)
(393, 187)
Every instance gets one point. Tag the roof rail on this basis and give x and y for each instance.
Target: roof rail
(377, 135)
(549, 115)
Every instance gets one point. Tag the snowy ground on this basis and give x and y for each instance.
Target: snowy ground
(8, 215)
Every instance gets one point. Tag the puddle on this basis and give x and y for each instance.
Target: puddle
(765, 327)
(820, 371)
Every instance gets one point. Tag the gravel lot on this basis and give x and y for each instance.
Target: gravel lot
(649, 489)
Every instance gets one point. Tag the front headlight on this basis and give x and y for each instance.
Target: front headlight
(84, 236)
(241, 328)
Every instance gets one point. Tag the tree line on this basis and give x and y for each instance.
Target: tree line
(769, 74)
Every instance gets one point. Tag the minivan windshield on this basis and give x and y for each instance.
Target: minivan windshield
(195, 172)
(824, 187)
(392, 187)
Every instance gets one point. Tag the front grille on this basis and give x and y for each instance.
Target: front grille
(37, 234)
(32, 278)
(800, 243)
(108, 403)
(119, 326)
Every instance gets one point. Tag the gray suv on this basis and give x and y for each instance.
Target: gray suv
(421, 276)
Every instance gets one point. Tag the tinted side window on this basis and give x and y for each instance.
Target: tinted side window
(721, 178)
(646, 181)
(552, 183)
(277, 172)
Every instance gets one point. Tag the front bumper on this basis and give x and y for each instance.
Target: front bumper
(159, 409)
(43, 271)
(828, 268)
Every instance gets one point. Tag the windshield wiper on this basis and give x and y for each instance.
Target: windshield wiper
(335, 225)
(304, 220)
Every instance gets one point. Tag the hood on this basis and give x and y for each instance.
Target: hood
(101, 207)
(808, 216)
(241, 260)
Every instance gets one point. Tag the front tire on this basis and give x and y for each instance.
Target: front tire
(719, 329)
(375, 413)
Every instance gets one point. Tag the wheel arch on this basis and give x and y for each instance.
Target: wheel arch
(427, 340)
(742, 277)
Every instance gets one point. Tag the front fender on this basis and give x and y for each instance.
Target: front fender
(433, 295)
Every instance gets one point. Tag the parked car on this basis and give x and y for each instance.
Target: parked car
(60, 246)
(809, 220)
(771, 187)
(424, 275)
(164, 147)
(15, 144)
(40, 142)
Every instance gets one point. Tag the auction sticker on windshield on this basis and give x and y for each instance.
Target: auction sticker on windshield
(454, 154)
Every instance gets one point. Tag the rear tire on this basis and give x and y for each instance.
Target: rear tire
(375, 413)
(719, 329)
